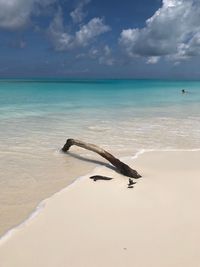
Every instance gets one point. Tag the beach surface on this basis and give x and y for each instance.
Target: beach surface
(121, 116)
(104, 223)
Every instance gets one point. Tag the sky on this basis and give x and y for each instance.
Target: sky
(144, 39)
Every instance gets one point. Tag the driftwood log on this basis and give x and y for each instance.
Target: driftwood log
(121, 167)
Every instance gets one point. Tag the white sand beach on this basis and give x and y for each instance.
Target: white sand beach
(103, 223)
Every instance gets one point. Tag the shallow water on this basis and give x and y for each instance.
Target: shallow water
(123, 116)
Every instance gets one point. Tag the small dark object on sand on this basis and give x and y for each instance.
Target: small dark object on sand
(99, 177)
(131, 182)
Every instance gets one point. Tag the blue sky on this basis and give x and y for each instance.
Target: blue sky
(100, 38)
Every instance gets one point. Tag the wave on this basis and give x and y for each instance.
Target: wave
(99, 128)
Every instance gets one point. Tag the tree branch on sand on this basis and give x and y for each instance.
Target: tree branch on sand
(120, 166)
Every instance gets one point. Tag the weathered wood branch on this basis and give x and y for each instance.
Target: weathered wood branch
(121, 167)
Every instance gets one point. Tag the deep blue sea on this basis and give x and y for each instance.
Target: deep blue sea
(122, 116)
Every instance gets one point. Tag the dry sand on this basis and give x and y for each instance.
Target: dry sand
(105, 224)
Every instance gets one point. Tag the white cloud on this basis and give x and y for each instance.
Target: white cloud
(78, 14)
(89, 31)
(15, 14)
(152, 60)
(173, 32)
(103, 55)
(94, 53)
(106, 57)
(62, 40)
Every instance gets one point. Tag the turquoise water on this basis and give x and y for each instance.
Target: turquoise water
(125, 109)
(39, 97)
(123, 116)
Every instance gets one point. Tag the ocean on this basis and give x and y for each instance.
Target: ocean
(122, 116)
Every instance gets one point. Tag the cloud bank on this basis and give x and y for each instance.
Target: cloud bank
(172, 32)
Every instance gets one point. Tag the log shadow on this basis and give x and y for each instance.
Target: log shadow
(74, 155)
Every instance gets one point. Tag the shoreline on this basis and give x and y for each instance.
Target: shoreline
(41, 206)
(34, 127)
(108, 224)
